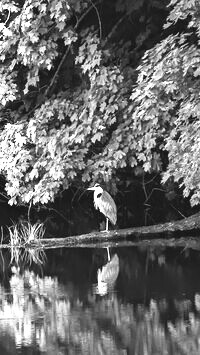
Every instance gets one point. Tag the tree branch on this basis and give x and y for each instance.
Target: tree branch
(114, 29)
(100, 26)
(57, 71)
(64, 56)
(85, 13)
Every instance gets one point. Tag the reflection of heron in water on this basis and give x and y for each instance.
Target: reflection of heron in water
(106, 205)
(107, 276)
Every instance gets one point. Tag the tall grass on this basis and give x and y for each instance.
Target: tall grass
(20, 236)
(24, 232)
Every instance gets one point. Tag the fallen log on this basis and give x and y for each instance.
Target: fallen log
(135, 234)
(153, 235)
(53, 243)
(182, 242)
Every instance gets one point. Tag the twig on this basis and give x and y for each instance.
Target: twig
(29, 210)
(114, 28)
(144, 188)
(2, 258)
(6, 197)
(57, 71)
(100, 26)
(176, 209)
(153, 178)
(7, 17)
(75, 194)
(155, 188)
(1, 234)
(60, 214)
(85, 13)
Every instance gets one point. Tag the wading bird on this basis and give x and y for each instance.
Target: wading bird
(106, 205)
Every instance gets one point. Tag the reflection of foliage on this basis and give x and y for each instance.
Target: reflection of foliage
(43, 311)
(186, 335)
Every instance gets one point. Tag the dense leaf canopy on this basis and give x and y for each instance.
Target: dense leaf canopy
(88, 88)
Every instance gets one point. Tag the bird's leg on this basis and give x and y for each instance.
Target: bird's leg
(106, 224)
(108, 252)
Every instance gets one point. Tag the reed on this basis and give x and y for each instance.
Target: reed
(24, 232)
(20, 236)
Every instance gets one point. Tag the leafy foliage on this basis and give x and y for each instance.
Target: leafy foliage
(83, 99)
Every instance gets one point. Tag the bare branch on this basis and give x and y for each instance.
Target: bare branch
(85, 14)
(57, 71)
(100, 26)
(7, 17)
(114, 29)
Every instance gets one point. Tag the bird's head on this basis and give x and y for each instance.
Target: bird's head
(97, 188)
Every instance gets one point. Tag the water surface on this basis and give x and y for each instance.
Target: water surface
(150, 303)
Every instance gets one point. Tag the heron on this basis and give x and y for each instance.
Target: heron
(106, 205)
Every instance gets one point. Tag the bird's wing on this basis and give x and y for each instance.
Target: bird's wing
(108, 207)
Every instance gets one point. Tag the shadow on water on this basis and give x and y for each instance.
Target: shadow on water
(73, 301)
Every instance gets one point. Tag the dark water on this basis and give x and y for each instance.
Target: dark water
(50, 303)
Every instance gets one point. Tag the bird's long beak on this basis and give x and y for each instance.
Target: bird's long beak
(91, 188)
